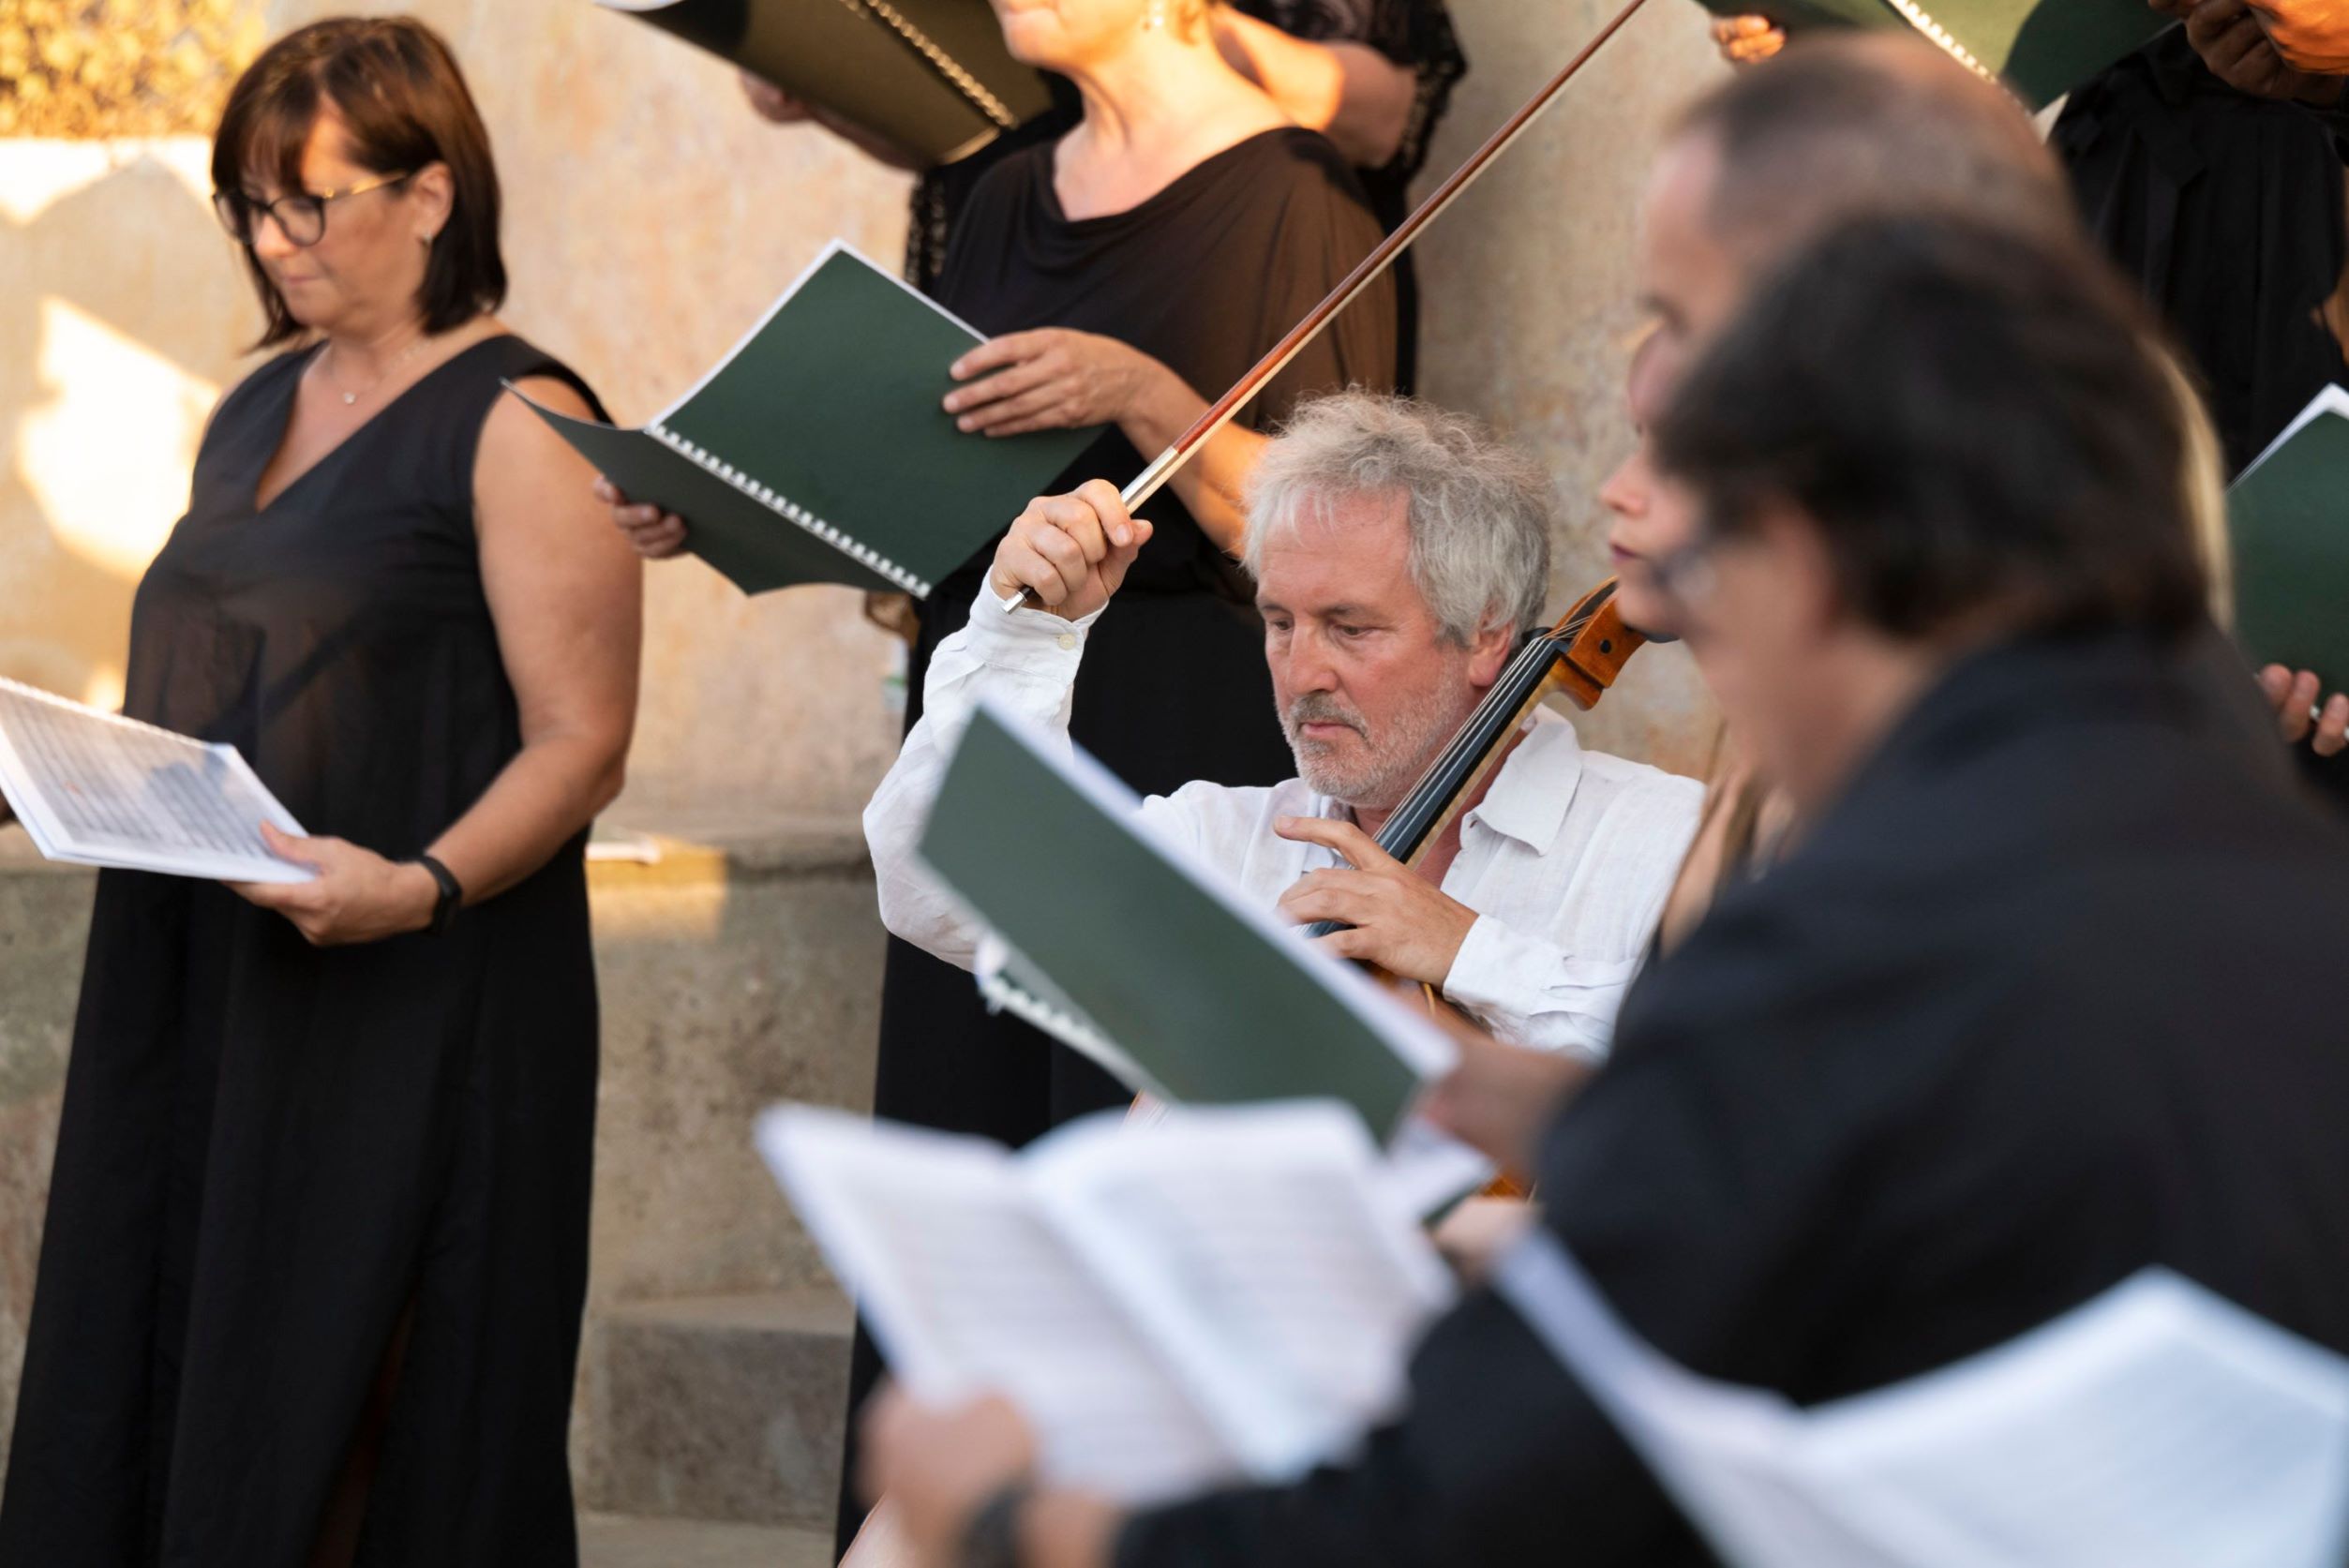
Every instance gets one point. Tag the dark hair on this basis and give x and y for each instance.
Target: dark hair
(1979, 424)
(1879, 122)
(398, 90)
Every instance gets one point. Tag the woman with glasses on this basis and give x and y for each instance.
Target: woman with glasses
(315, 1250)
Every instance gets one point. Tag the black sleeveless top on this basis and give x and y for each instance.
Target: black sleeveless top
(268, 1152)
(339, 636)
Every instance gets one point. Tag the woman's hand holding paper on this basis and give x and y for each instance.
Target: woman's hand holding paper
(1051, 379)
(357, 895)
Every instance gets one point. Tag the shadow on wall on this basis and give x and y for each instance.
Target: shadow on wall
(122, 320)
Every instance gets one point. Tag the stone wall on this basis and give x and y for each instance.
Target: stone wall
(734, 973)
(44, 914)
(649, 220)
(1532, 304)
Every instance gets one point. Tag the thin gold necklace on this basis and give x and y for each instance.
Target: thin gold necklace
(334, 383)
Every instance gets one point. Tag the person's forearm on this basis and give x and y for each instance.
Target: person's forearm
(1214, 482)
(1066, 1530)
(1027, 661)
(1349, 92)
(552, 788)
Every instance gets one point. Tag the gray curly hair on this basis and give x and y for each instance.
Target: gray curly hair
(1479, 511)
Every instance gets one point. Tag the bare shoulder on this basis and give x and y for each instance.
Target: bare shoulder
(513, 434)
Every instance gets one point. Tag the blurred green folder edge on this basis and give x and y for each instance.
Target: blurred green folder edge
(2288, 527)
(2040, 49)
(1023, 985)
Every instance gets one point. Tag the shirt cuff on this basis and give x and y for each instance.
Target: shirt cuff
(1023, 638)
(1479, 973)
(1528, 991)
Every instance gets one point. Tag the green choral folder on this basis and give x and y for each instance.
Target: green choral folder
(930, 76)
(2288, 516)
(2041, 48)
(818, 452)
(1148, 961)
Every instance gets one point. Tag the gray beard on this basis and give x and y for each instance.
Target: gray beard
(1395, 758)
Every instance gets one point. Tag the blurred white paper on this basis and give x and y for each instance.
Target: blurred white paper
(1227, 1294)
(97, 790)
(2159, 1426)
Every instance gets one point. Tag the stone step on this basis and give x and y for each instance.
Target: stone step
(725, 1407)
(619, 1541)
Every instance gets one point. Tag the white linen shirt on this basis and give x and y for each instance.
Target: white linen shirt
(1567, 861)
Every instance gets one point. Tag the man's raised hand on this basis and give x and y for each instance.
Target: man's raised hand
(1071, 551)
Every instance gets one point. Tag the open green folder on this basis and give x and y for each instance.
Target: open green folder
(816, 452)
(1198, 994)
(930, 76)
(2041, 48)
(2288, 516)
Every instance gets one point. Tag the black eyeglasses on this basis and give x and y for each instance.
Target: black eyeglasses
(300, 215)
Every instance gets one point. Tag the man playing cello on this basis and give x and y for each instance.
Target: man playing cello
(1399, 556)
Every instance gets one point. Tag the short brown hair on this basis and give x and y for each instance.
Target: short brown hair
(1978, 422)
(1845, 124)
(395, 87)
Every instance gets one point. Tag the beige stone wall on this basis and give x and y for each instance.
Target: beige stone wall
(1532, 300)
(649, 219)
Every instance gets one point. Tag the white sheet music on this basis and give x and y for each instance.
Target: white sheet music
(97, 790)
(1259, 1247)
(1227, 1294)
(2159, 1426)
(969, 1290)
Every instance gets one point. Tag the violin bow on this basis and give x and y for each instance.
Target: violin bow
(1220, 414)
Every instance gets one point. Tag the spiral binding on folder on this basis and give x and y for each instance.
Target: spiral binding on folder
(941, 61)
(791, 511)
(1002, 991)
(1916, 17)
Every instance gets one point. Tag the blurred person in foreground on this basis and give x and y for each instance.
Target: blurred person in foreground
(2207, 164)
(2019, 1014)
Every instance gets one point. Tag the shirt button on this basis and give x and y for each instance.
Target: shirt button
(1067, 640)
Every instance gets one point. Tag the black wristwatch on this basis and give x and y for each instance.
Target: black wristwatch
(991, 1540)
(452, 895)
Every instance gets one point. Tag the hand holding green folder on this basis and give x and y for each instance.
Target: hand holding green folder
(2041, 49)
(2288, 519)
(931, 78)
(817, 451)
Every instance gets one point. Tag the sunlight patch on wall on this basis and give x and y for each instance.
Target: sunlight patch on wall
(107, 452)
(36, 173)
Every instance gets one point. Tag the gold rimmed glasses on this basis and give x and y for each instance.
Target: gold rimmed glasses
(300, 215)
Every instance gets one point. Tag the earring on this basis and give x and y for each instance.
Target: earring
(1155, 18)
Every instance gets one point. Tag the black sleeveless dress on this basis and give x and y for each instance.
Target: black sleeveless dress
(269, 1152)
